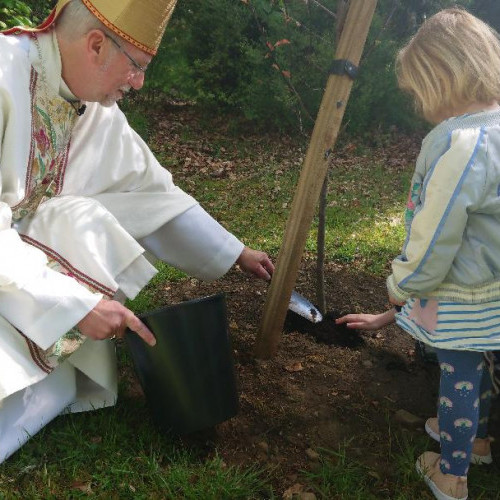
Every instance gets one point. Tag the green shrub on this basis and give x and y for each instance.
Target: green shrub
(268, 61)
(376, 102)
(14, 13)
(23, 13)
(245, 58)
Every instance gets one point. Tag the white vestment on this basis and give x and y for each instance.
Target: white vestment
(81, 198)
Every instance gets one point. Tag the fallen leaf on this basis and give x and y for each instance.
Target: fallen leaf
(294, 367)
(282, 42)
(85, 487)
(312, 454)
(296, 489)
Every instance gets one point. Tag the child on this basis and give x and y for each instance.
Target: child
(448, 276)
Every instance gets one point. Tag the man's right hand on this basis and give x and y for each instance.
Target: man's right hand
(110, 319)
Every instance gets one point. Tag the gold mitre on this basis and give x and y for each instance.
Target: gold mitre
(140, 22)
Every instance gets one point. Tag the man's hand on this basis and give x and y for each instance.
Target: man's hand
(110, 319)
(256, 262)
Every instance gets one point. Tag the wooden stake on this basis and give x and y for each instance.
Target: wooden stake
(324, 137)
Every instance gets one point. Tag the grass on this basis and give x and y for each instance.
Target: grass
(339, 477)
(364, 214)
(115, 453)
(146, 300)
(98, 454)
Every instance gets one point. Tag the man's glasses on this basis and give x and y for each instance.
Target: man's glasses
(138, 68)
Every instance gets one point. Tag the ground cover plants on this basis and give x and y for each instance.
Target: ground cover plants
(320, 420)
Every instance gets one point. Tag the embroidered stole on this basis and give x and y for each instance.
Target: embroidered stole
(53, 120)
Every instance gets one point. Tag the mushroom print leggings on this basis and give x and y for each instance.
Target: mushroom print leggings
(464, 403)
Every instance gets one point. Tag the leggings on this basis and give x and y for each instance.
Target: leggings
(465, 393)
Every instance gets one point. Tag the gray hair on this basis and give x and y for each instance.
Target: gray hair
(76, 20)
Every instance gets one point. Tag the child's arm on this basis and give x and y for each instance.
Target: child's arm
(367, 321)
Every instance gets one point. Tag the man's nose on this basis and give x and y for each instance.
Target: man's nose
(137, 80)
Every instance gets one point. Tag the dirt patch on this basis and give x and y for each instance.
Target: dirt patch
(325, 387)
(326, 331)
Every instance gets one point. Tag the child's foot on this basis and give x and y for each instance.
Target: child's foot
(443, 486)
(481, 449)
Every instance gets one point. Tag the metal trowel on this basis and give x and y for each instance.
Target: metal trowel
(301, 306)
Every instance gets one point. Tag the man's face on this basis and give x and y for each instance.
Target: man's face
(122, 70)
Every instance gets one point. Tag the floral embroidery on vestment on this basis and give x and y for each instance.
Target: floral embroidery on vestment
(52, 122)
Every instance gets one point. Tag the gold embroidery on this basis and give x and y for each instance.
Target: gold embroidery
(53, 119)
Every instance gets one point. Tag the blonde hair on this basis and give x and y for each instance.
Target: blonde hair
(452, 61)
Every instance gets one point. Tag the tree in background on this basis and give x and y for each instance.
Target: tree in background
(26, 13)
(253, 58)
(267, 61)
(13, 13)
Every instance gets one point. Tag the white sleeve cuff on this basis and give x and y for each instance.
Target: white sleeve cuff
(195, 243)
(47, 307)
(394, 291)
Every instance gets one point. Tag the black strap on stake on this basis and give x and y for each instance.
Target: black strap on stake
(344, 67)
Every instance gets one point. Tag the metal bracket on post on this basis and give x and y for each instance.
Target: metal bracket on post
(344, 67)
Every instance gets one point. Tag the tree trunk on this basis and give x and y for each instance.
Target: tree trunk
(342, 9)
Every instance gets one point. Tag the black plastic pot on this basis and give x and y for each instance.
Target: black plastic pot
(188, 377)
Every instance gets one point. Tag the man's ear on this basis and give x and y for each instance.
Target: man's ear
(96, 46)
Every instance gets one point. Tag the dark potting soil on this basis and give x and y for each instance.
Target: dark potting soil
(325, 331)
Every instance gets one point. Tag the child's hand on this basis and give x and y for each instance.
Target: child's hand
(367, 321)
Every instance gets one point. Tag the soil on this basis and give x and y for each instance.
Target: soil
(325, 388)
